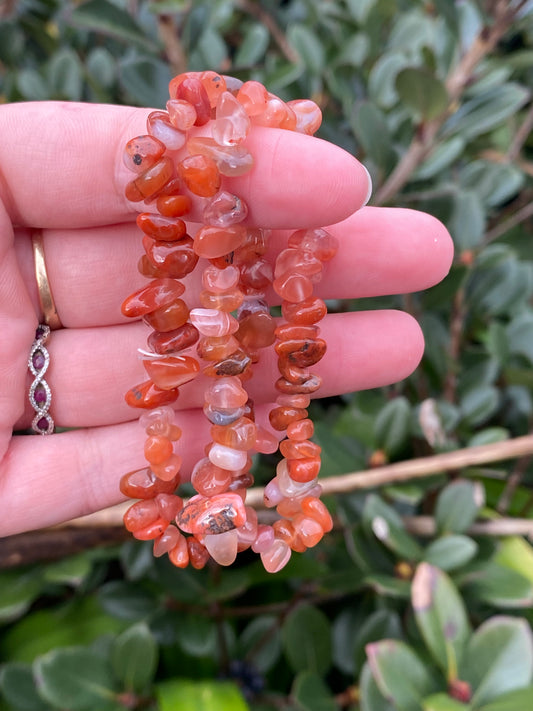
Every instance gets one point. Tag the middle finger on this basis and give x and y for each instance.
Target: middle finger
(382, 251)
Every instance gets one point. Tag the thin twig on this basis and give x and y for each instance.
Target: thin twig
(425, 527)
(266, 19)
(500, 229)
(520, 137)
(418, 468)
(171, 41)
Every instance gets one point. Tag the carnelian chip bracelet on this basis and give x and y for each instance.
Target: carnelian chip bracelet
(222, 337)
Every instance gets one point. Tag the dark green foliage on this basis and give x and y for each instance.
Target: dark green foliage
(385, 615)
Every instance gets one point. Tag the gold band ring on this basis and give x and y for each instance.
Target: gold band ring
(46, 299)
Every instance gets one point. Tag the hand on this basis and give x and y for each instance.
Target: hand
(62, 172)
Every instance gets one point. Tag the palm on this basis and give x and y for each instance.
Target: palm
(74, 191)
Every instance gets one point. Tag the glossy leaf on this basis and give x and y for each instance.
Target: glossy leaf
(441, 617)
(458, 505)
(18, 688)
(308, 46)
(107, 17)
(422, 92)
(17, 592)
(199, 696)
(306, 637)
(443, 702)
(312, 694)
(400, 675)
(77, 679)
(484, 112)
(450, 552)
(134, 658)
(371, 697)
(253, 45)
(502, 587)
(499, 658)
(518, 700)
(388, 528)
(392, 425)
(260, 642)
(517, 554)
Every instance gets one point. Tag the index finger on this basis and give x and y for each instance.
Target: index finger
(62, 167)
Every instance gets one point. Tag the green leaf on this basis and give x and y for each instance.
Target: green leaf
(372, 132)
(370, 696)
(197, 636)
(187, 695)
(65, 75)
(443, 702)
(450, 552)
(145, 79)
(109, 18)
(134, 658)
(382, 78)
(388, 527)
(518, 700)
(458, 505)
(17, 592)
(494, 183)
(489, 435)
(308, 46)
(486, 111)
(126, 601)
(502, 587)
(467, 224)
(32, 85)
(441, 617)
(70, 571)
(498, 658)
(18, 688)
(306, 637)
(77, 679)
(388, 586)
(80, 622)
(479, 404)
(260, 642)
(516, 554)
(443, 155)
(252, 46)
(101, 66)
(393, 425)
(399, 674)
(421, 92)
(311, 693)
(520, 335)
(381, 624)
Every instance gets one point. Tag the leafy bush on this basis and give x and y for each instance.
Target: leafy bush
(422, 597)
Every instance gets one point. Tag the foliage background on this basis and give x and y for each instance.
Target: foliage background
(422, 598)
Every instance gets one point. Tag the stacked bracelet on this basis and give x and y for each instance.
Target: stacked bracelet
(223, 336)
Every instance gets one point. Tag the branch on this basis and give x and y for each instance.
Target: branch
(105, 527)
(425, 527)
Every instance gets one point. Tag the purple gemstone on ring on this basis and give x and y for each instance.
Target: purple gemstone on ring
(39, 395)
(42, 423)
(38, 360)
(39, 333)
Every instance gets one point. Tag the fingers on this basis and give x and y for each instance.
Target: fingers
(63, 167)
(52, 479)
(382, 251)
(92, 369)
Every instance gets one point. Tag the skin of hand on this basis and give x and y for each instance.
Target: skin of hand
(62, 172)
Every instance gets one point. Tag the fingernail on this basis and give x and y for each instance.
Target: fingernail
(369, 193)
